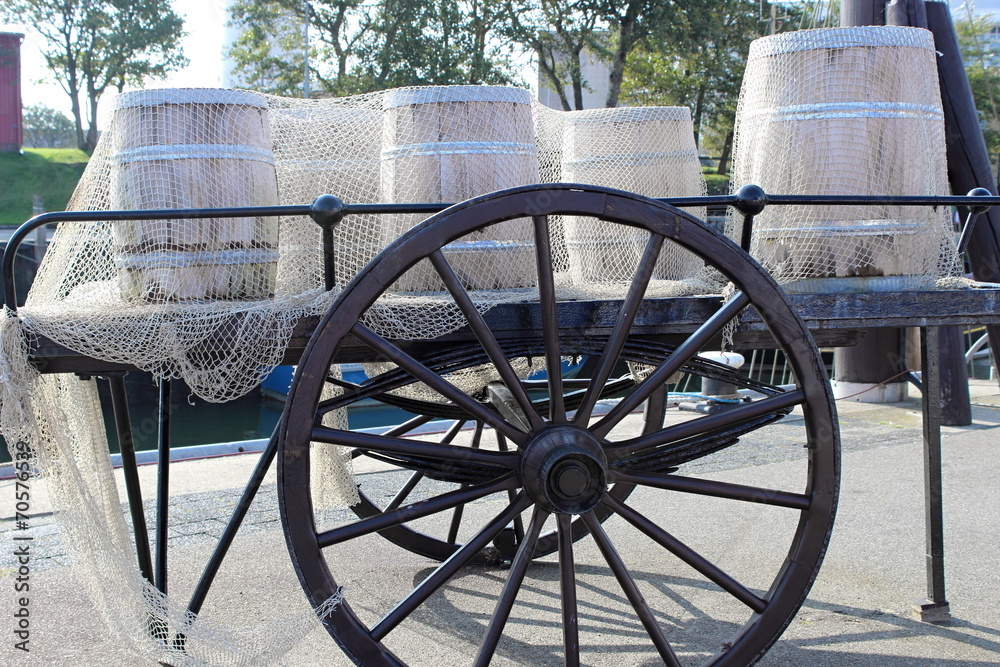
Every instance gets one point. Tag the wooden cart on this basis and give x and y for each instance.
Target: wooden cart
(543, 469)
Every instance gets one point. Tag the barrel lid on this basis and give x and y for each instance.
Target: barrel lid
(841, 38)
(433, 94)
(160, 96)
(628, 115)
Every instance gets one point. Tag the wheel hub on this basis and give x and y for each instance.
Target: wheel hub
(564, 470)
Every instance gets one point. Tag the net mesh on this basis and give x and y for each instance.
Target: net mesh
(214, 302)
(845, 111)
(646, 150)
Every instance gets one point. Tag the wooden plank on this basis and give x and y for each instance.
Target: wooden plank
(836, 318)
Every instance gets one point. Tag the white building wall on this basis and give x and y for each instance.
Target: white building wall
(596, 77)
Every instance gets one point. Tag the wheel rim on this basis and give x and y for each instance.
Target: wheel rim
(628, 461)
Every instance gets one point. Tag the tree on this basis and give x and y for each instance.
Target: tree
(45, 127)
(633, 21)
(982, 66)
(93, 44)
(701, 68)
(558, 32)
(356, 48)
(269, 52)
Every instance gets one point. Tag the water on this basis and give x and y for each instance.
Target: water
(196, 422)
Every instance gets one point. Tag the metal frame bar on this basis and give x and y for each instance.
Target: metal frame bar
(935, 608)
(163, 486)
(133, 491)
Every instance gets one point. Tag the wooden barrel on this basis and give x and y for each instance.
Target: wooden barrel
(193, 148)
(844, 111)
(328, 149)
(646, 150)
(451, 143)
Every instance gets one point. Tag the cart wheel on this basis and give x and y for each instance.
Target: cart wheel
(744, 543)
(442, 546)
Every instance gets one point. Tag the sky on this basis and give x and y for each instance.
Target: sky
(205, 23)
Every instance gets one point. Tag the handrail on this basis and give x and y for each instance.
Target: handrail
(750, 200)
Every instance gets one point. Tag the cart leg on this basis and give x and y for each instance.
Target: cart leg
(123, 426)
(933, 609)
(162, 486)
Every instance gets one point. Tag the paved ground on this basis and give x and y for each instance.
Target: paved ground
(858, 613)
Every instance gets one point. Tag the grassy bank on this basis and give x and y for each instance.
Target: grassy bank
(717, 185)
(50, 172)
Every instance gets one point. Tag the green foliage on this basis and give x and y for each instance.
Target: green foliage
(718, 184)
(44, 127)
(702, 68)
(50, 172)
(982, 66)
(357, 47)
(90, 45)
(701, 65)
(558, 32)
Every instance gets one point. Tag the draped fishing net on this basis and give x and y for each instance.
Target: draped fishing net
(845, 111)
(215, 302)
(646, 150)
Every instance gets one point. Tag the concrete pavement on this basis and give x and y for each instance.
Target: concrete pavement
(858, 613)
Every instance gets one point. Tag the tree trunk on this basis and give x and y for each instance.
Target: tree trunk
(81, 141)
(699, 108)
(550, 74)
(626, 40)
(92, 130)
(576, 75)
(73, 90)
(727, 149)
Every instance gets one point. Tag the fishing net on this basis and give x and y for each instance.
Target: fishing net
(215, 302)
(646, 150)
(845, 111)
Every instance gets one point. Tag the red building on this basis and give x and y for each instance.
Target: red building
(11, 132)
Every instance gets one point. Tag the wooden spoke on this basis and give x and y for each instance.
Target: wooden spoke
(550, 319)
(631, 591)
(686, 554)
(408, 426)
(447, 569)
(613, 348)
(436, 382)
(567, 589)
(413, 511)
(686, 351)
(415, 478)
(694, 427)
(709, 487)
(518, 523)
(410, 447)
(401, 495)
(486, 338)
(514, 579)
(456, 519)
